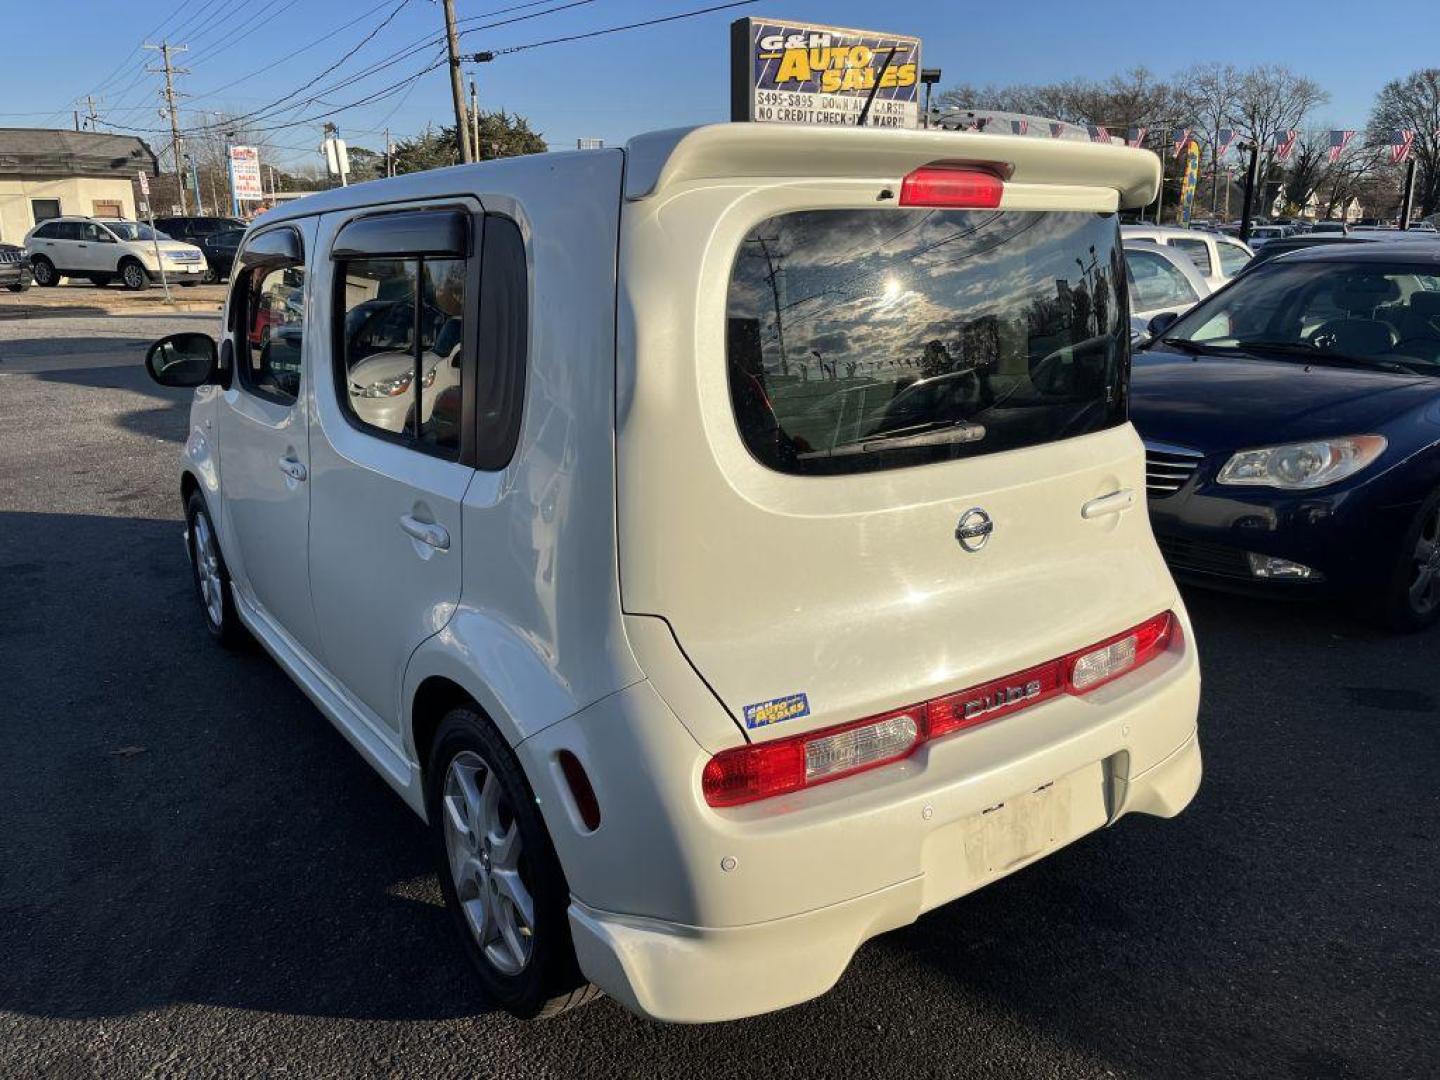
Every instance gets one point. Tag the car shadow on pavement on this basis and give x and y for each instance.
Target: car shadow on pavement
(181, 824)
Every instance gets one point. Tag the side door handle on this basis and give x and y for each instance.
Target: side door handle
(427, 532)
(1117, 502)
(292, 468)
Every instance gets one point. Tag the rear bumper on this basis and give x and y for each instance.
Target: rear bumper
(690, 914)
(689, 974)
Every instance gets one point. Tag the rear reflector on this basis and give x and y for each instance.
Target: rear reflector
(762, 770)
(960, 187)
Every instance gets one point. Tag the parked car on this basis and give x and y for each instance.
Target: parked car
(689, 678)
(14, 268)
(220, 248)
(1217, 257)
(1162, 280)
(1261, 235)
(1292, 426)
(1329, 227)
(1275, 248)
(197, 227)
(103, 249)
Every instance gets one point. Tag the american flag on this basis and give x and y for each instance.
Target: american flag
(1098, 133)
(1400, 144)
(1181, 138)
(1222, 147)
(1136, 136)
(1019, 127)
(1056, 130)
(1285, 144)
(1339, 141)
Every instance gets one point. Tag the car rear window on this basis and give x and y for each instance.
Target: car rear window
(874, 339)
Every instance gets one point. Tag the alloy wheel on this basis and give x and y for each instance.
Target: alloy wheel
(207, 571)
(487, 866)
(1425, 581)
(134, 276)
(42, 272)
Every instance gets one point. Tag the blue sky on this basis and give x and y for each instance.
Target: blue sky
(664, 76)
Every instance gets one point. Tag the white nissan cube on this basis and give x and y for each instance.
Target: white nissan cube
(733, 546)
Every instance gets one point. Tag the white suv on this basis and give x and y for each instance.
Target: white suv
(751, 553)
(103, 249)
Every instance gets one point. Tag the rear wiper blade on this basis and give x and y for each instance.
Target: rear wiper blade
(918, 435)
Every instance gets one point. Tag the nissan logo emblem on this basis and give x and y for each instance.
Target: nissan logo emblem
(974, 529)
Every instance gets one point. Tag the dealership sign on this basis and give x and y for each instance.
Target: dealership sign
(245, 174)
(800, 73)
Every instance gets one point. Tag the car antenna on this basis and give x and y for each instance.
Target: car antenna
(870, 98)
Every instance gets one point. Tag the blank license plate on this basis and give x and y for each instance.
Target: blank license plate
(1026, 826)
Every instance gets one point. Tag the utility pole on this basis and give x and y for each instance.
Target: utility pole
(457, 84)
(389, 152)
(92, 116)
(165, 49)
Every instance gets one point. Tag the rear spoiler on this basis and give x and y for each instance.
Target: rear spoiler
(729, 151)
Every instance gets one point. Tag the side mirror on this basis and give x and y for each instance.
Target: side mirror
(1162, 322)
(183, 360)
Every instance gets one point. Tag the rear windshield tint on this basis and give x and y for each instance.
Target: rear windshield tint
(876, 339)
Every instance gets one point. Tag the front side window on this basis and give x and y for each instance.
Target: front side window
(1156, 282)
(873, 339)
(403, 347)
(274, 330)
(133, 230)
(1198, 252)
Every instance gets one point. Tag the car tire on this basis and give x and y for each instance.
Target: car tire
(1412, 602)
(494, 855)
(211, 577)
(133, 275)
(210, 277)
(100, 280)
(44, 272)
(19, 286)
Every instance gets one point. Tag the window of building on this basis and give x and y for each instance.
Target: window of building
(44, 209)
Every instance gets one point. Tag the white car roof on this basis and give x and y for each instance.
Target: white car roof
(662, 158)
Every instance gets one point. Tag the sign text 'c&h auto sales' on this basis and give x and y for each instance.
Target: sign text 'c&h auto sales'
(800, 73)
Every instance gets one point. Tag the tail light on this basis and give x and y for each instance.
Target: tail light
(956, 187)
(762, 770)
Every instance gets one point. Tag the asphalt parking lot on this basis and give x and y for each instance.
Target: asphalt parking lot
(197, 876)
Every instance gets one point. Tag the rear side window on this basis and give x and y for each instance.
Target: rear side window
(1155, 282)
(1233, 258)
(1198, 251)
(874, 339)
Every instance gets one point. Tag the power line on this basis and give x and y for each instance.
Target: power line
(617, 29)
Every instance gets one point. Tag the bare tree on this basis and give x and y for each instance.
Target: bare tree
(1413, 104)
(1215, 90)
(1273, 99)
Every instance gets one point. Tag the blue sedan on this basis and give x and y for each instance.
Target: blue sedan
(1292, 427)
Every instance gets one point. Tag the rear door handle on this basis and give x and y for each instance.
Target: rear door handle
(292, 468)
(1117, 502)
(427, 532)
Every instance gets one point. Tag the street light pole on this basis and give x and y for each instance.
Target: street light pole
(1252, 178)
(1409, 200)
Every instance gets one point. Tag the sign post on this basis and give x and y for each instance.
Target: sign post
(154, 236)
(784, 72)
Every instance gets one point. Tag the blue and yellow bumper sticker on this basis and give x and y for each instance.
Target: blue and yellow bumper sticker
(764, 713)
